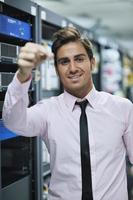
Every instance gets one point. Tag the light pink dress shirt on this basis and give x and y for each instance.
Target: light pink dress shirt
(56, 120)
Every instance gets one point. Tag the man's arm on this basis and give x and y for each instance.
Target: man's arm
(128, 136)
(16, 116)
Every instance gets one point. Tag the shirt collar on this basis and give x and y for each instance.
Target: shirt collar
(70, 99)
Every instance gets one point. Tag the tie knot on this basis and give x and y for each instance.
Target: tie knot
(82, 104)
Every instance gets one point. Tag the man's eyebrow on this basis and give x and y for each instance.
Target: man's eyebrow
(81, 54)
(62, 58)
(65, 58)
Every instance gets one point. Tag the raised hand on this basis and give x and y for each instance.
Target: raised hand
(30, 56)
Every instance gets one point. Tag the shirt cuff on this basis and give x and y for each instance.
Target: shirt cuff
(20, 87)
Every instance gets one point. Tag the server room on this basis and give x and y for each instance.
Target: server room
(66, 100)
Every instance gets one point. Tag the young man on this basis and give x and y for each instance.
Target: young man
(56, 120)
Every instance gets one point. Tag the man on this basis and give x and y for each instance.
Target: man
(56, 120)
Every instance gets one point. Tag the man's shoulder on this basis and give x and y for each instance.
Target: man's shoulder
(115, 99)
(51, 100)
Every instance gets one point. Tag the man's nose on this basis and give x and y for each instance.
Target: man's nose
(72, 66)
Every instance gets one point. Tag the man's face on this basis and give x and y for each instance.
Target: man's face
(74, 69)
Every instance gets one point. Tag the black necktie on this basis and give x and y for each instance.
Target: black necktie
(85, 154)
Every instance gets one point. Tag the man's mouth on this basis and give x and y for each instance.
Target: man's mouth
(74, 77)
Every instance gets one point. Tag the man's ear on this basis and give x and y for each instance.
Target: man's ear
(93, 62)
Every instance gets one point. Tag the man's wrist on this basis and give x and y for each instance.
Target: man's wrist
(23, 77)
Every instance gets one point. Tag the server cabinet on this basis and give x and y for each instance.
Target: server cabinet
(49, 84)
(128, 76)
(49, 23)
(20, 156)
(111, 70)
(96, 73)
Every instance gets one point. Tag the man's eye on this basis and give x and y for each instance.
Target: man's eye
(80, 59)
(64, 62)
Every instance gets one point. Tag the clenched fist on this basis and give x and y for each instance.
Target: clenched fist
(30, 56)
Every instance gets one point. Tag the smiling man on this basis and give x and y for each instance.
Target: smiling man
(88, 133)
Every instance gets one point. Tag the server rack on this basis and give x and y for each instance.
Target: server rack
(96, 73)
(20, 156)
(124, 81)
(48, 22)
(128, 75)
(111, 70)
(49, 85)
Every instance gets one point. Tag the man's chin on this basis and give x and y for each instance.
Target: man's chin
(75, 90)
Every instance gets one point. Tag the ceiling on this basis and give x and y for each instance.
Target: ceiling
(112, 19)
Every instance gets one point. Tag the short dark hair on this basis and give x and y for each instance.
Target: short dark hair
(66, 35)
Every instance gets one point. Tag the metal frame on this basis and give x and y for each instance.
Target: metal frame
(30, 8)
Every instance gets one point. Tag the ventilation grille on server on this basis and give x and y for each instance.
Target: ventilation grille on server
(8, 50)
(8, 53)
